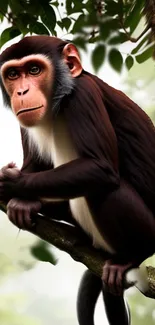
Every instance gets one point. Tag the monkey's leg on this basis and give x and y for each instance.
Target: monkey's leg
(129, 226)
(89, 290)
(116, 309)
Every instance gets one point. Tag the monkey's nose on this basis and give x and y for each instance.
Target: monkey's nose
(21, 92)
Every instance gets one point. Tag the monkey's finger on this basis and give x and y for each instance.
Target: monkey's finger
(9, 165)
(112, 281)
(105, 273)
(20, 219)
(11, 213)
(2, 172)
(11, 173)
(119, 283)
(27, 219)
(12, 165)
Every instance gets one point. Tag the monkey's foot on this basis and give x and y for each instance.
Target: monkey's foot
(113, 276)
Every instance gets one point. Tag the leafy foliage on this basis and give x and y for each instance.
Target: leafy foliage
(42, 252)
(104, 23)
(129, 62)
(116, 60)
(98, 56)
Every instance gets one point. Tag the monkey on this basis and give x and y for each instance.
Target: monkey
(117, 309)
(88, 155)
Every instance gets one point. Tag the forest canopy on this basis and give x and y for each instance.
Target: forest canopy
(107, 24)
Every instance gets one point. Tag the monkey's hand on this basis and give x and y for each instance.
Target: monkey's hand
(20, 212)
(113, 276)
(9, 175)
(10, 170)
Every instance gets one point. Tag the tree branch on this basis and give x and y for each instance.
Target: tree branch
(134, 39)
(73, 241)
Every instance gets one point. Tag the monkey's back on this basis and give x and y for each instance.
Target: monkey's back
(136, 140)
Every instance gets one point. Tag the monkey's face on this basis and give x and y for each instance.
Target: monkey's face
(29, 83)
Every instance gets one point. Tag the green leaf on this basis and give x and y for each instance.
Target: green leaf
(94, 39)
(121, 38)
(105, 30)
(74, 6)
(48, 17)
(42, 253)
(24, 19)
(1, 17)
(80, 42)
(135, 15)
(120, 9)
(138, 47)
(91, 19)
(54, 33)
(112, 8)
(78, 6)
(129, 62)
(128, 6)
(22, 22)
(8, 34)
(98, 56)
(145, 55)
(69, 7)
(38, 28)
(34, 8)
(17, 6)
(66, 23)
(59, 23)
(116, 60)
(4, 6)
(44, 1)
(55, 3)
(89, 6)
(107, 26)
(79, 23)
(115, 24)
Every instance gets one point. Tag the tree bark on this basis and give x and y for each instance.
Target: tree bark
(72, 240)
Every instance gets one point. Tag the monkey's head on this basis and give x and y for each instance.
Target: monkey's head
(35, 74)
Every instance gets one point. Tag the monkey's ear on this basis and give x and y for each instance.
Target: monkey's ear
(72, 59)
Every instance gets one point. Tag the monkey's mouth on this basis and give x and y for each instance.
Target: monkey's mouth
(23, 110)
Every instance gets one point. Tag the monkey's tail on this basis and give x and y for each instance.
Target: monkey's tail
(89, 290)
(90, 287)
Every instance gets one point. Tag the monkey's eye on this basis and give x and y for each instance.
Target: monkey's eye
(34, 69)
(12, 73)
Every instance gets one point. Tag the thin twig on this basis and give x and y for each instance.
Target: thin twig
(134, 39)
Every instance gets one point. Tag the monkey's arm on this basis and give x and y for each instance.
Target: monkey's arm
(19, 210)
(81, 177)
